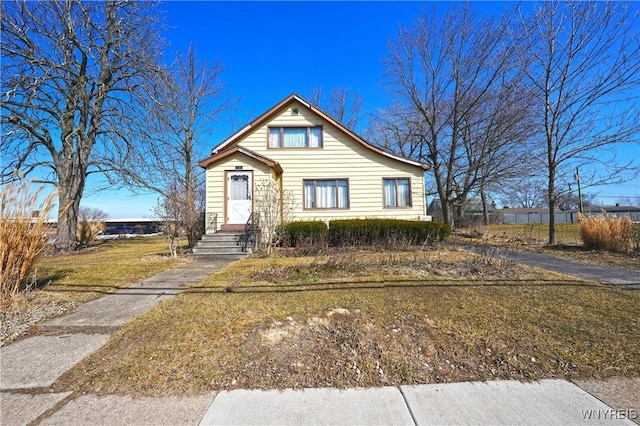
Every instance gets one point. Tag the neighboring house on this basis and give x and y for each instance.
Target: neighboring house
(329, 171)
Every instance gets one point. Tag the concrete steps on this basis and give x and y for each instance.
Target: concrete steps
(222, 245)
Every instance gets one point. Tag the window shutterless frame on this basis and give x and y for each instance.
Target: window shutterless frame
(392, 195)
(312, 198)
(295, 137)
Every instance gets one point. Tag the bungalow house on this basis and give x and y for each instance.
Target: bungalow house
(328, 171)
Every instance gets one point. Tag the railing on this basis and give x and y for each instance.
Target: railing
(211, 223)
(248, 237)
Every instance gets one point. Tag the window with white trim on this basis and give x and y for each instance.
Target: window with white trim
(295, 137)
(326, 194)
(397, 192)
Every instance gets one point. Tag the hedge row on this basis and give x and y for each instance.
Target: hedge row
(364, 232)
(305, 233)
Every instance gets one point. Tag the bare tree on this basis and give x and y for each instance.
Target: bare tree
(629, 201)
(457, 104)
(170, 211)
(581, 65)
(524, 192)
(570, 200)
(72, 72)
(182, 111)
(342, 105)
(272, 208)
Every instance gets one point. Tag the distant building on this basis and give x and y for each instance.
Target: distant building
(541, 215)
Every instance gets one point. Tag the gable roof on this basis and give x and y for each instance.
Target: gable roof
(261, 120)
(219, 155)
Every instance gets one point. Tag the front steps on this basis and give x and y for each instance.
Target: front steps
(221, 245)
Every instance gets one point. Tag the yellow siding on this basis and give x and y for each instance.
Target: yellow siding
(340, 157)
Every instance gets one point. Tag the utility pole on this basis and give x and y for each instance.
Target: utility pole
(580, 206)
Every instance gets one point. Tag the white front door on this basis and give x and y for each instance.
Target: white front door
(238, 197)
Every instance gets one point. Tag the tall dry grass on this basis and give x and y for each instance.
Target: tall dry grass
(22, 237)
(88, 231)
(601, 233)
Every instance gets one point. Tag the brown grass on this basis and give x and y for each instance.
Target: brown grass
(521, 234)
(63, 281)
(369, 319)
(105, 267)
(602, 233)
(87, 231)
(22, 238)
(532, 237)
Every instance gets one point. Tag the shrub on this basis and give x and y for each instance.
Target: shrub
(305, 233)
(635, 235)
(90, 223)
(23, 235)
(601, 233)
(392, 232)
(88, 231)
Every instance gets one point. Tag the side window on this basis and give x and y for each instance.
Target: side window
(397, 192)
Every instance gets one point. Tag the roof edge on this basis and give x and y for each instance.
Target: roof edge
(219, 155)
(295, 97)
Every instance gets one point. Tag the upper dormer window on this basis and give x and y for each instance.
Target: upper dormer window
(295, 137)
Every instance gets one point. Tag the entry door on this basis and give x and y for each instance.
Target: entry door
(238, 197)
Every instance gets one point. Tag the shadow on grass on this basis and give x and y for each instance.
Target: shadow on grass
(370, 285)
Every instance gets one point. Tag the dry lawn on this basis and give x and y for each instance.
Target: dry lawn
(368, 319)
(61, 282)
(534, 237)
(105, 267)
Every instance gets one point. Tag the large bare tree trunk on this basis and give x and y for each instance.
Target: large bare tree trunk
(68, 208)
(552, 208)
(73, 74)
(485, 208)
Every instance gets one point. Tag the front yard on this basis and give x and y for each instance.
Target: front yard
(362, 318)
(534, 237)
(64, 281)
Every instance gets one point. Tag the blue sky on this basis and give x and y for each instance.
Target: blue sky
(271, 49)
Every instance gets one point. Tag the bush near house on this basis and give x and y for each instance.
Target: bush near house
(366, 232)
(601, 233)
(311, 233)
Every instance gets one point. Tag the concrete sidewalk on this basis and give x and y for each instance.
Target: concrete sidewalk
(500, 402)
(31, 365)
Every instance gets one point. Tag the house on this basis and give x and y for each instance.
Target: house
(329, 171)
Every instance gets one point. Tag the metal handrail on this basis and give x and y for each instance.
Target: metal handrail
(249, 234)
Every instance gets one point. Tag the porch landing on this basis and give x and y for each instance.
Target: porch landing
(232, 228)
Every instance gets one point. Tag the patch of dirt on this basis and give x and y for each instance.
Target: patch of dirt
(492, 266)
(342, 348)
(621, 393)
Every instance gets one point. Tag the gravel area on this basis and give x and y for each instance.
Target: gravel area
(620, 393)
(14, 322)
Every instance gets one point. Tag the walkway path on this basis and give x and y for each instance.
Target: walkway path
(31, 365)
(603, 274)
